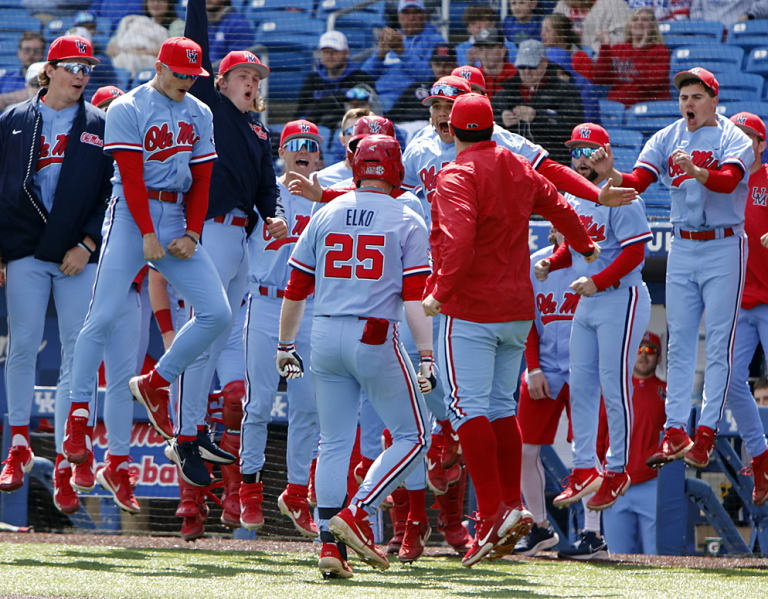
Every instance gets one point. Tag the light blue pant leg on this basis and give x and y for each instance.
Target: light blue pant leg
(584, 380)
(435, 399)
(226, 247)
(506, 371)
(722, 286)
(120, 366)
(27, 290)
(630, 525)
(685, 306)
(739, 398)
(230, 365)
(371, 429)
(620, 318)
(120, 259)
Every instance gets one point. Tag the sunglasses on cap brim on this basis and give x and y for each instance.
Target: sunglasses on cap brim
(76, 68)
(646, 349)
(182, 76)
(357, 94)
(445, 90)
(301, 143)
(586, 152)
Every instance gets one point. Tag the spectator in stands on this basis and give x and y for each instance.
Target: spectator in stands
(31, 49)
(537, 104)
(138, 37)
(402, 56)
(31, 86)
(408, 106)
(227, 29)
(664, 10)
(728, 12)
(637, 70)
(323, 94)
(524, 22)
(557, 32)
(760, 391)
(630, 525)
(591, 17)
(476, 17)
(494, 63)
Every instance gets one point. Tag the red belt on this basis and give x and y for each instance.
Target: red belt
(163, 196)
(705, 235)
(265, 291)
(235, 221)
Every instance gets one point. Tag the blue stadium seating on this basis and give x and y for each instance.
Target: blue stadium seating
(258, 11)
(681, 33)
(656, 199)
(757, 61)
(738, 87)
(19, 19)
(731, 108)
(299, 30)
(624, 158)
(748, 34)
(715, 57)
(665, 108)
(611, 113)
(625, 138)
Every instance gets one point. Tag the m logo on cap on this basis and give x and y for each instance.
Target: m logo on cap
(585, 132)
(375, 127)
(741, 119)
(250, 57)
(472, 125)
(192, 55)
(304, 127)
(82, 47)
(466, 74)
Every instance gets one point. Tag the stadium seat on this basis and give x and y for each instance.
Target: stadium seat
(757, 61)
(738, 87)
(18, 19)
(666, 108)
(298, 30)
(611, 113)
(715, 57)
(258, 11)
(682, 33)
(731, 108)
(626, 138)
(648, 125)
(748, 34)
(624, 158)
(56, 27)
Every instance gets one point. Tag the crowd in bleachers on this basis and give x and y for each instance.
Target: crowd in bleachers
(607, 61)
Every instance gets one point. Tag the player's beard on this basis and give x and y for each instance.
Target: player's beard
(592, 176)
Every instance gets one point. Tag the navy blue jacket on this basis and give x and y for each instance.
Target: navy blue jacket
(82, 191)
(243, 175)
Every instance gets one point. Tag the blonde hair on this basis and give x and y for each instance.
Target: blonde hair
(654, 37)
(354, 113)
(258, 105)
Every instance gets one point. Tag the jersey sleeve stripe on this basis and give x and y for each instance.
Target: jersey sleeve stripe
(636, 238)
(415, 270)
(203, 158)
(123, 146)
(539, 159)
(303, 267)
(648, 166)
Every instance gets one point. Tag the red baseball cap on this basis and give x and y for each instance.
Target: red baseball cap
(243, 57)
(472, 112)
(447, 88)
(182, 55)
(472, 74)
(108, 92)
(301, 128)
(752, 122)
(700, 73)
(651, 339)
(588, 133)
(68, 47)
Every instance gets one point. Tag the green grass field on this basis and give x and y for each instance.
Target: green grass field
(48, 570)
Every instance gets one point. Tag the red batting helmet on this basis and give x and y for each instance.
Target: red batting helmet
(378, 157)
(368, 125)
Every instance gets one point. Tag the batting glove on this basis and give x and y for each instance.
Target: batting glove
(426, 377)
(288, 361)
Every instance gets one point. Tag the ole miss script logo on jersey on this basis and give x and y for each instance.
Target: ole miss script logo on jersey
(301, 223)
(550, 309)
(162, 145)
(596, 231)
(702, 158)
(52, 151)
(428, 179)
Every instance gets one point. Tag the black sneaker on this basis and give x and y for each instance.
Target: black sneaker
(539, 539)
(211, 452)
(589, 546)
(186, 456)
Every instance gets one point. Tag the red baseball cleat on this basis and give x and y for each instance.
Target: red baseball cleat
(294, 504)
(521, 527)
(414, 540)
(490, 532)
(615, 484)
(156, 403)
(331, 564)
(760, 472)
(355, 531)
(64, 497)
(675, 444)
(74, 446)
(251, 499)
(579, 483)
(19, 462)
(118, 481)
(703, 444)
(83, 476)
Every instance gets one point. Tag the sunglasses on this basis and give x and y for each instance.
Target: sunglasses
(644, 349)
(76, 67)
(349, 130)
(586, 152)
(301, 143)
(357, 93)
(445, 90)
(181, 76)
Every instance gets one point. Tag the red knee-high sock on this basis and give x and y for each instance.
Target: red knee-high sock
(417, 505)
(509, 452)
(478, 443)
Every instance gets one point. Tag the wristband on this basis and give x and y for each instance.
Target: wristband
(534, 371)
(163, 318)
(286, 345)
(192, 238)
(85, 247)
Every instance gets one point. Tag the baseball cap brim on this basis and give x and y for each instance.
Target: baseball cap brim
(683, 75)
(89, 59)
(261, 69)
(189, 70)
(572, 142)
(317, 138)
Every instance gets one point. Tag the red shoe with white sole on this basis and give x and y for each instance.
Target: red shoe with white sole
(355, 531)
(331, 563)
(294, 504)
(18, 463)
(581, 482)
(615, 484)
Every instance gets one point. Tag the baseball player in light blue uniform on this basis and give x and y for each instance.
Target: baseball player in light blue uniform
(704, 160)
(609, 323)
(269, 275)
(365, 254)
(162, 141)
